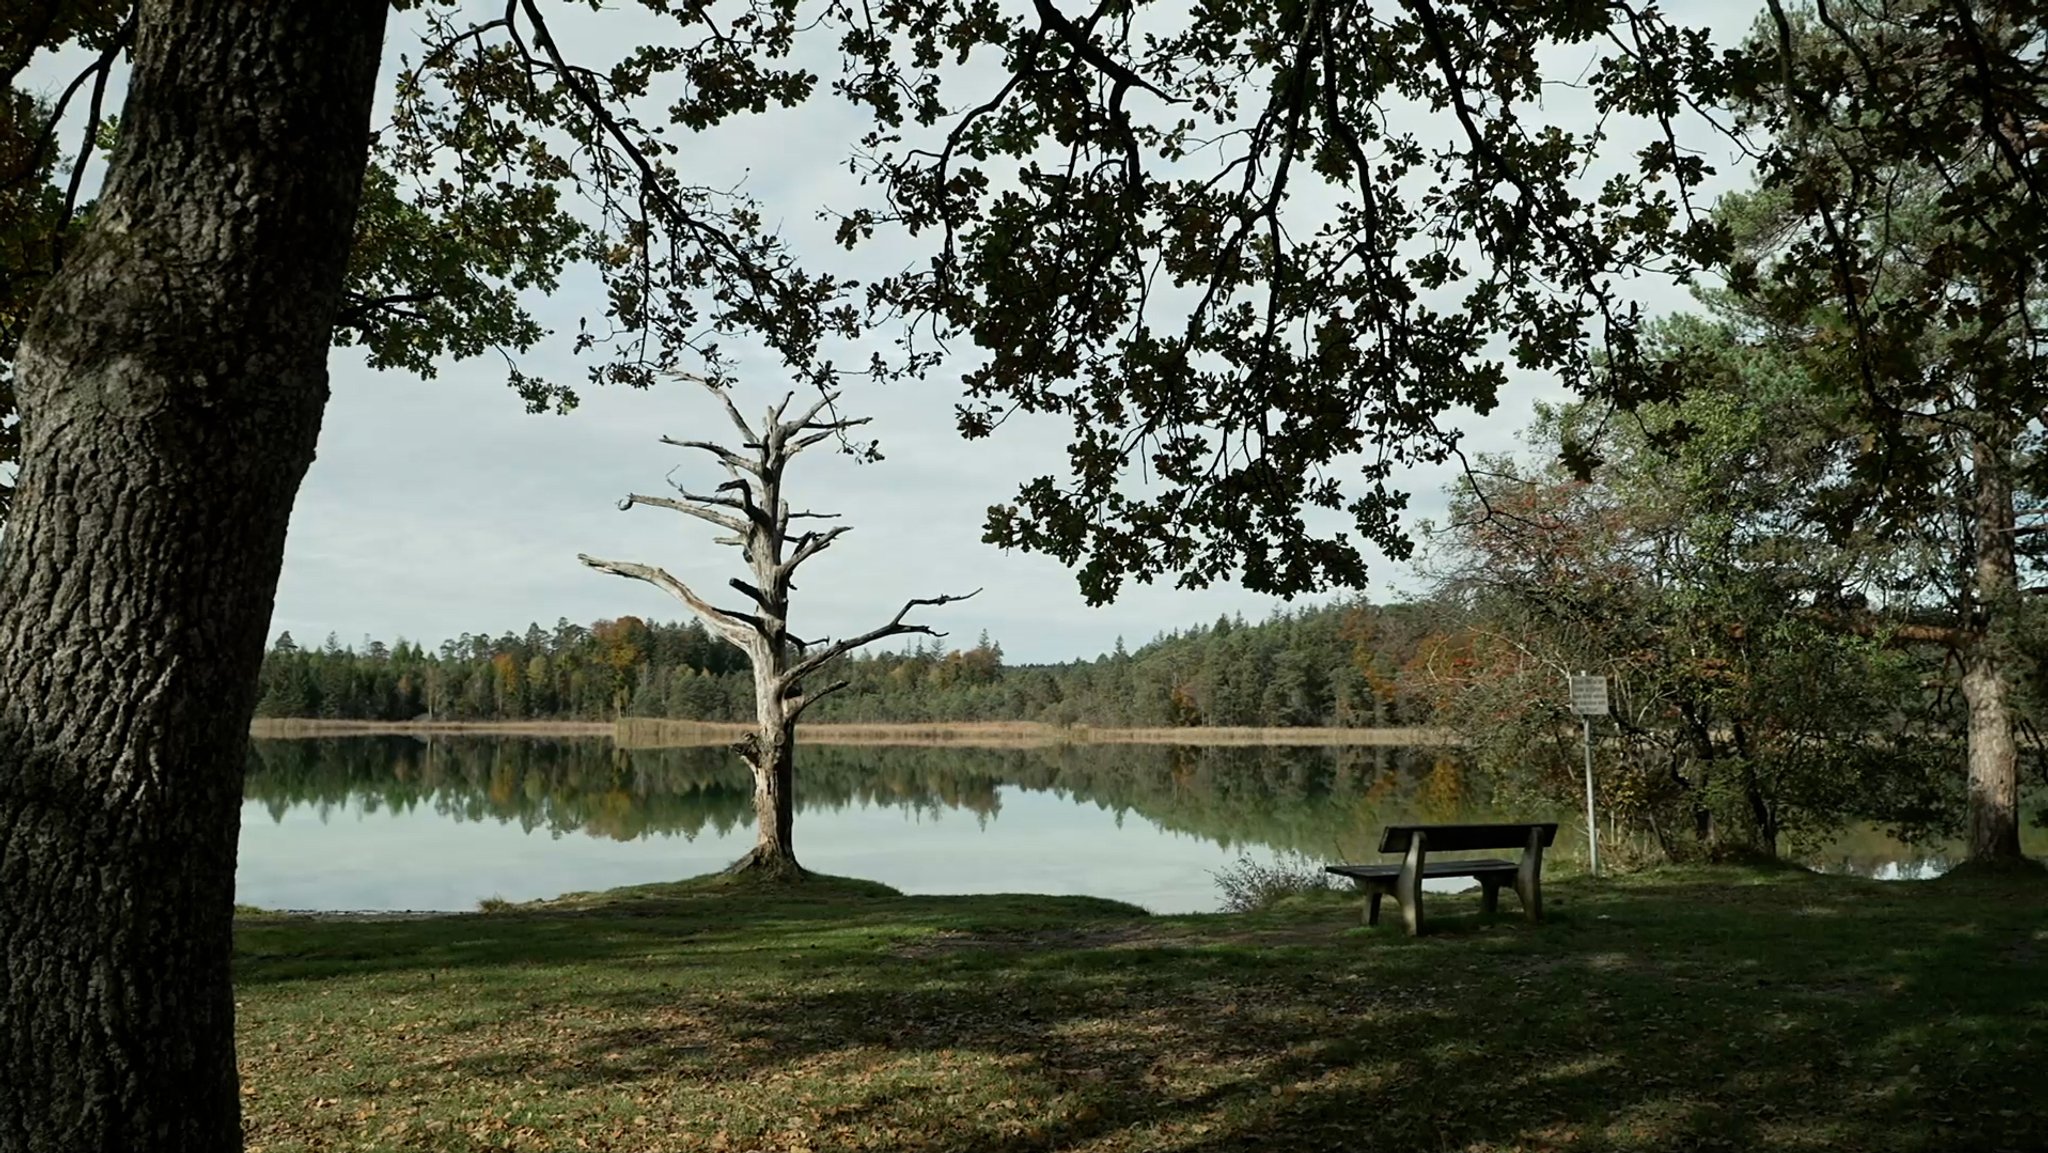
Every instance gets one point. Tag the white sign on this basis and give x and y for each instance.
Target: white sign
(1589, 695)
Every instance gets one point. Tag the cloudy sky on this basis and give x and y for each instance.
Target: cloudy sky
(439, 506)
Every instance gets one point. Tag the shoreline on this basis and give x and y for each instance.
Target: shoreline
(658, 733)
(303, 728)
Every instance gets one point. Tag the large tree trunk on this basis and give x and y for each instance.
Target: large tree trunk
(1994, 827)
(171, 388)
(1763, 817)
(1994, 793)
(772, 757)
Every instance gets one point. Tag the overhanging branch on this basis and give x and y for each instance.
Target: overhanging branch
(894, 628)
(731, 524)
(742, 629)
(727, 457)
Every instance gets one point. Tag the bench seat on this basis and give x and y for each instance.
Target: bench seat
(1403, 882)
(1429, 869)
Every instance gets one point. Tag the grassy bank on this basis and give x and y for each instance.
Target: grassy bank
(1702, 1009)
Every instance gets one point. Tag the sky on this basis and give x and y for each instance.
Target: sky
(439, 506)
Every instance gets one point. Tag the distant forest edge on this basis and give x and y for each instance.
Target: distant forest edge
(1335, 667)
(662, 733)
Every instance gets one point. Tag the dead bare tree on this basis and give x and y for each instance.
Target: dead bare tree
(751, 507)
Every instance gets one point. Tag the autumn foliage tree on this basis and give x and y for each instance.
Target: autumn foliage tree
(1744, 713)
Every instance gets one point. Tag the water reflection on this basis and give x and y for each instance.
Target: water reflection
(1309, 800)
(401, 822)
(398, 822)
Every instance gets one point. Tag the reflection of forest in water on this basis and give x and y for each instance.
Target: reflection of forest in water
(1312, 800)
(1321, 801)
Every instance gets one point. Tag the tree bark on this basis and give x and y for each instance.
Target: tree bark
(1762, 816)
(171, 386)
(772, 757)
(1994, 779)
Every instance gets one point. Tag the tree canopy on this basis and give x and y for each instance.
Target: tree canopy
(1261, 259)
(1243, 252)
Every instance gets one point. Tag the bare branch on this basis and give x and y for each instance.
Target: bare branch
(811, 544)
(733, 524)
(895, 627)
(85, 147)
(719, 501)
(745, 503)
(739, 628)
(824, 401)
(752, 593)
(837, 425)
(825, 431)
(745, 506)
(726, 456)
(802, 700)
(732, 410)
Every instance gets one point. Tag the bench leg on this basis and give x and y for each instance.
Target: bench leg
(1529, 877)
(1372, 907)
(1408, 886)
(1489, 895)
(1411, 908)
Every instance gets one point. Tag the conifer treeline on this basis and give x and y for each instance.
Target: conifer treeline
(1336, 666)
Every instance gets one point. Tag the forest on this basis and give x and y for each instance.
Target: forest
(1333, 666)
(1724, 738)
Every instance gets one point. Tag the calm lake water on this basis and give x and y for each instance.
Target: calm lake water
(406, 823)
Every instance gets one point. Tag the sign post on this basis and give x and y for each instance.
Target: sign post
(1589, 700)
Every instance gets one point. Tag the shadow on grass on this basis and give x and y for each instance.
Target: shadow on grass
(1705, 1009)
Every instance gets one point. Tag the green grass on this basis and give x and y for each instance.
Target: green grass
(1702, 1009)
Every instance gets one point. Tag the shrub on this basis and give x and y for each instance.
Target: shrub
(1249, 885)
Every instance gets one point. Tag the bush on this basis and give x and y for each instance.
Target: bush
(1249, 886)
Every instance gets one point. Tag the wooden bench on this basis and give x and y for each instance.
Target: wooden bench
(1403, 882)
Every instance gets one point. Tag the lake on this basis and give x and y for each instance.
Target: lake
(386, 823)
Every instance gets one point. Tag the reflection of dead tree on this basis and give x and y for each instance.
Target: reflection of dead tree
(751, 508)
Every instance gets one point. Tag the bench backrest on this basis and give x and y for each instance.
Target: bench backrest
(1456, 838)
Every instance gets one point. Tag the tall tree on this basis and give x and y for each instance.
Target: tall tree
(752, 507)
(171, 383)
(1687, 575)
(1895, 247)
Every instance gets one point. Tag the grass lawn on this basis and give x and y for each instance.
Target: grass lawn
(1682, 1009)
